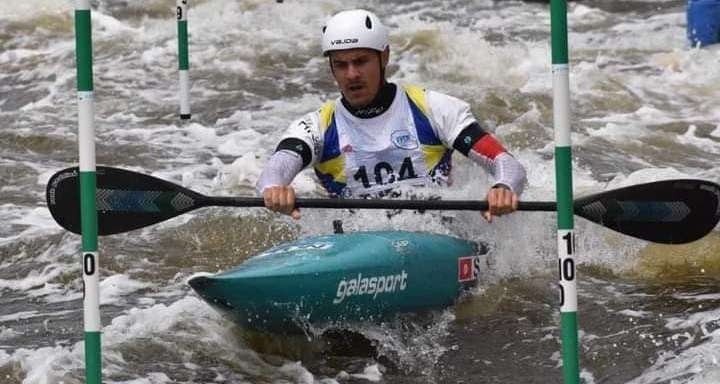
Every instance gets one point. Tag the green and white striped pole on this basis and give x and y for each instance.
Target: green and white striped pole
(183, 61)
(88, 214)
(564, 192)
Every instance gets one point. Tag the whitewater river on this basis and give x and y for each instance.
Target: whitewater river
(645, 107)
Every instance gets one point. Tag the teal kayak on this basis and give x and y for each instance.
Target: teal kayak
(339, 278)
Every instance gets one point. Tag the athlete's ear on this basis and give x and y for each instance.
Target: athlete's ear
(330, 62)
(385, 56)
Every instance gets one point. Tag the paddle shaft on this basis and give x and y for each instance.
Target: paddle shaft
(667, 211)
(445, 205)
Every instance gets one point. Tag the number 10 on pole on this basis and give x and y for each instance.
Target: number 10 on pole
(566, 271)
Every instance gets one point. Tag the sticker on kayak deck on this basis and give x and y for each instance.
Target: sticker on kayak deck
(295, 248)
(468, 268)
(400, 245)
(370, 285)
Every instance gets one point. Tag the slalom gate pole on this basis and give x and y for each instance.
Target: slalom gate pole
(564, 192)
(88, 214)
(183, 61)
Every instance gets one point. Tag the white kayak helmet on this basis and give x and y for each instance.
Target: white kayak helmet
(356, 28)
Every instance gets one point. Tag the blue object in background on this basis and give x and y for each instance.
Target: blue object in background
(703, 22)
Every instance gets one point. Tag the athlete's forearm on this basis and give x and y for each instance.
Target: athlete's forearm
(480, 146)
(280, 170)
(509, 172)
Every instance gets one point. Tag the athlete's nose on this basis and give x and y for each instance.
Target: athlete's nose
(353, 71)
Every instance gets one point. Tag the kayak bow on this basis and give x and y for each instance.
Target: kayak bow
(340, 278)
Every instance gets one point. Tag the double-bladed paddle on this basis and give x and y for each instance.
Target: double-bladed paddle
(668, 211)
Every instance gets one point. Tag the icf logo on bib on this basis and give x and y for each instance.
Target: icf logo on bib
(403, 139)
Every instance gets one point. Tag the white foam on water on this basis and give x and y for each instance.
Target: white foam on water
(151, 378)
(257, 25)
(56, 293)
(634, 313)
(647, 175)
(206, 326)
(583, 14)
(7, 333)
(14, 10)
(703, 297)
(45, 365)
(236, 143)
(18, 316)
(697, 319)
(691, 364)
(34, 278)
(371, 373)
(245, 170)
(114, 288)
(413, 344)
(299, 373)
(447, 61)
(187, 319)
(15, 55)
(24, 223)
(656, 32)
(716, 131)
(690, 138)
(643, 115)
(631, 132)
(673, 84)
(106, 26)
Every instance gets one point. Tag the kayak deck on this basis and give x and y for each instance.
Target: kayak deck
(340, 278)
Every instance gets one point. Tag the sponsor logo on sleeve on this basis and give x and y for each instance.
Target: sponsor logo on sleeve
(315, 139)
(316, 145)
(305, 126)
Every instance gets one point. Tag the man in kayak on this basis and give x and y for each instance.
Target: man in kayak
(378, 136)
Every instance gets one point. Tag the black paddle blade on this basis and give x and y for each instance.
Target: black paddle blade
(668, 212)
(125, 200)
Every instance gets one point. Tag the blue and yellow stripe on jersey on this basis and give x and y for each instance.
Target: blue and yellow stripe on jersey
(437, 156)
(330, 168)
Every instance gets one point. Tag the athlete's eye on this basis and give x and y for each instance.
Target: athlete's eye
(361, 61)
(340, 64)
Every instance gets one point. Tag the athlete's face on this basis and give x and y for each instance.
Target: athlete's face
(358, 72)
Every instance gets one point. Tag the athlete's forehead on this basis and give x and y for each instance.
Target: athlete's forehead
(348, 55)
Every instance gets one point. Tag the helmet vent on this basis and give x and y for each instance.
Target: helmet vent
(368, 22)
(324, 28)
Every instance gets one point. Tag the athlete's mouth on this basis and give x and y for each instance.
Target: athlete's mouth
(356, 87)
